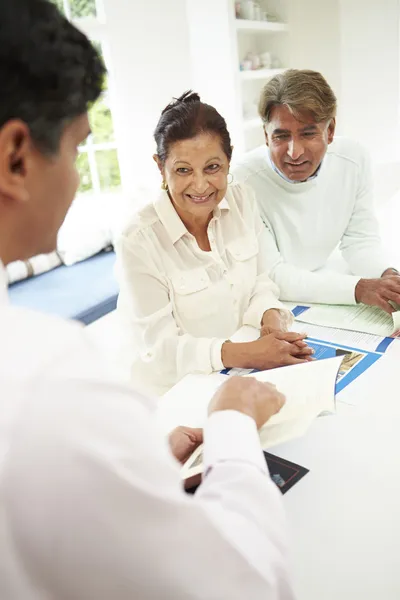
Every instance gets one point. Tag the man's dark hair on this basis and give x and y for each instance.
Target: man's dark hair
(49, 71)
(185, 118)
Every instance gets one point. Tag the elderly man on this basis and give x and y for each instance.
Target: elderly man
(314, 192)
(91, 499)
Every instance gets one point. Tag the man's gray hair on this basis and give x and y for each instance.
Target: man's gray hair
(302, 92)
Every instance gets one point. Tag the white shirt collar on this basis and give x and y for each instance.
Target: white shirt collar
(3, 285)
(172, 221)
(275, 168)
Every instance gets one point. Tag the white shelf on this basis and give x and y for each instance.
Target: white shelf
(252, 123)
(262, 26)
(259, 74)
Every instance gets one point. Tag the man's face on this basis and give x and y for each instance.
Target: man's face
(52, 185)
(37, 190)
(297, 147)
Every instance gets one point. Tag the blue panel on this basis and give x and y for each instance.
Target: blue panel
(299, 310)
(85, 291)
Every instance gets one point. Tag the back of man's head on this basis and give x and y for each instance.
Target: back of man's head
(49, 72)
(302, 92)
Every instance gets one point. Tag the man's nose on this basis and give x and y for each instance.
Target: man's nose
(295, 149)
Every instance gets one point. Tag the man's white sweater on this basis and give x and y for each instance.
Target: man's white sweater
(305, 222)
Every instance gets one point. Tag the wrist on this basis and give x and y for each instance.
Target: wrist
(359, 290)
(236, 355)
(273, 320)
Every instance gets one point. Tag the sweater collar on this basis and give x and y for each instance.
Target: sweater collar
(3, 285)
(275, 168)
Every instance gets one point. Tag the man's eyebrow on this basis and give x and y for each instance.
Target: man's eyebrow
(311, 127)
(279, 131)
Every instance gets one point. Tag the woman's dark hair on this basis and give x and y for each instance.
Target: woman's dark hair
(49, 71)
(186, 117)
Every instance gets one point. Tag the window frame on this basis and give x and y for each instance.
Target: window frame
(95, 28)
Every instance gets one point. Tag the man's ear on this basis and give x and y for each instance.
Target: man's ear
(15, 150)
(266, 136)
(331, 130)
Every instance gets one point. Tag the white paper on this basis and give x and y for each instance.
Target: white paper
(309, 389)
(342, 337)
(365, 319)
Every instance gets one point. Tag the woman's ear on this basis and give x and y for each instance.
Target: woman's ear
(157, 160)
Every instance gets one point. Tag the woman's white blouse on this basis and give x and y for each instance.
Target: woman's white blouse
(178, 304)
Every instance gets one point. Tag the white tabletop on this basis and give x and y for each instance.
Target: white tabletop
(344, 514)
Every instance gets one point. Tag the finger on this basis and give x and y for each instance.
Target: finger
(392, 296)
(290, 336)
(300, 344)
(281, 400)
(393, 282)
(384, 305)
(292, 360)
(295, 349)
(302, 351)
(195, 435)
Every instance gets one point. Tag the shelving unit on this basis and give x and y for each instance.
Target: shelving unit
(259, 74)
(259, 37)
(216, 61)
(249, 124)
(261, 26)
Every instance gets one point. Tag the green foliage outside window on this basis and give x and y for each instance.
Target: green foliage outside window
(100, 122)
(82, 8)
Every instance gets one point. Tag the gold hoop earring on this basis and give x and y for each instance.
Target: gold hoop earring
(232, 180)
(164, 186)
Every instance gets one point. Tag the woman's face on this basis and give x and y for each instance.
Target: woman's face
(196, 172)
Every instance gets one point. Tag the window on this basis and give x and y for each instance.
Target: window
(98, 163)
(79, 9)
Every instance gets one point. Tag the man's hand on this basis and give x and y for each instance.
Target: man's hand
(379, 292)
(390, 272)
(183, 442)
(260, 401)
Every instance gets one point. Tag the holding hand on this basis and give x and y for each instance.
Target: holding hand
(274, 320)
(379, 292)
(183, 442)
(273, 350)
(258, 400)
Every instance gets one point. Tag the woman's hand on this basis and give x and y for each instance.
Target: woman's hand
(274, 320)
(276, 349)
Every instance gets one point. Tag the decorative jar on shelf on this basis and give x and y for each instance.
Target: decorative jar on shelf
(247, 10)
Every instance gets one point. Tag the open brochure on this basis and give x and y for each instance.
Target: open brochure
(366, 319)
(359, 350)
(309, 389)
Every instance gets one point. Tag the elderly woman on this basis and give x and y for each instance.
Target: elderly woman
(191, 264)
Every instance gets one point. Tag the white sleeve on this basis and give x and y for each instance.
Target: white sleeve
(299, 285)
(361, 243)
(265, 293)
(146, 312)
(96, 506)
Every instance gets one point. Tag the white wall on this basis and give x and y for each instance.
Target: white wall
(149, 51)
(154, 49)
(315, 38)
(370, 74)
(213, 52)
(356, 45)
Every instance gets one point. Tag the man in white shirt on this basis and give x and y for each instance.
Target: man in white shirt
(315, 193)
(91, 502)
